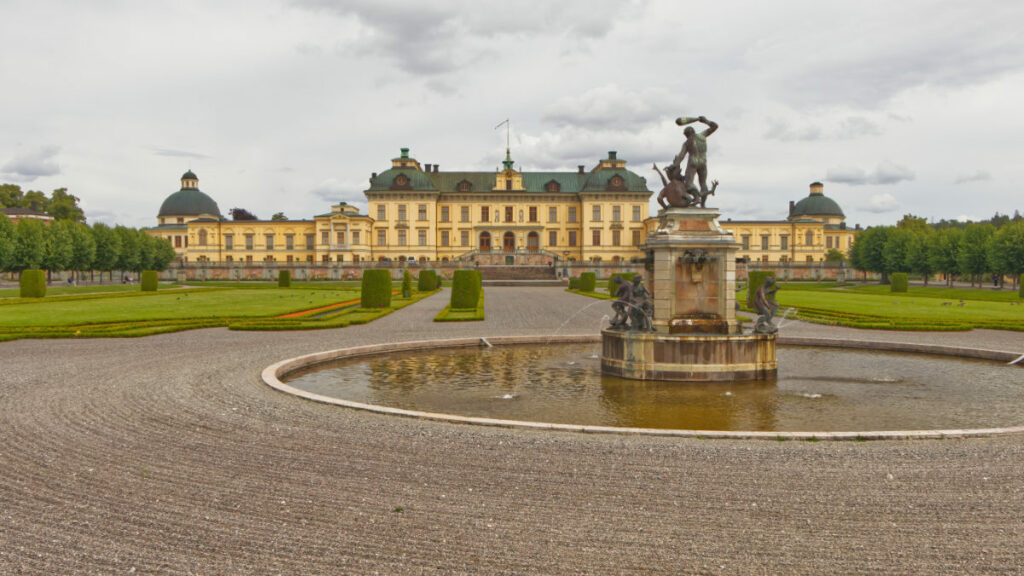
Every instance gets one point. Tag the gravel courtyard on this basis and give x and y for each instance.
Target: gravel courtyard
(167, 455)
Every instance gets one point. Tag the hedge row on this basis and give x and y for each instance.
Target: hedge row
(466, 285)
(33, 283)
(755, 278)
(376, 289)
(150, 279)
(898, 282)
(588, 282)
(284, 279)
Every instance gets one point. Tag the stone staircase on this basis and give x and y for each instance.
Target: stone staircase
(519, 276)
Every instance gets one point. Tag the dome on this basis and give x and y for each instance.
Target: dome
(816, 204)
(189, 202)
(190, 175)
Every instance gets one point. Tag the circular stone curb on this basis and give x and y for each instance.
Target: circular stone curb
(271, 376)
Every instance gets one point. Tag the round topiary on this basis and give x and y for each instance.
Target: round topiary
(755, 278)
(588, 282)
(33, 283)
(284, 279)
(465, 289)
(150, 279)
(898, 282)
(376, 289)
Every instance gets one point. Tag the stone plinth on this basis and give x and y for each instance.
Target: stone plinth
(655, 356)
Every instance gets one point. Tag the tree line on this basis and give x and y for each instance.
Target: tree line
(69, 245)
(972, 250)
(60, 204)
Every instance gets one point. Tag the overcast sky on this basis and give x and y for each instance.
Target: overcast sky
(289, 105)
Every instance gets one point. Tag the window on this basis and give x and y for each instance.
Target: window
(597, 237)
(465, 238)
(382, 212)
(596, 215)
(289, 258)
(355, 237)
(464, 186)
(421, 237)
(421, 212)
(783, 259)
(636, 238)
(636, 213)
(746, 241)
(464, 214)
(509, 214)
(533, 213)
(229, 258)
(401, 238)
(444, 238)
(552, 214)
(828, 242)
(616, 237)
(402, 213)
(325, 258)
(784, 242)
(485, 213)
(202, 237)
(229, 242)
(552, 186)
(552, 238)
(572, 215)
(810, 258)
(177, 241)
(764, 242)
(809, 238)
(340, 238)
(444, 213)
(310, 241)
(325, 236)
(382, 237)
(508, 184)
(289, 241)
(249, 242)
(268, 241)
(572, 238)
(616, 213)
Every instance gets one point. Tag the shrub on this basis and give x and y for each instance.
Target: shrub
(755, 278)
(376, 289)
(898, 282)
(150, 278)
(33, 283)
(574, 283)
(588, 282)
(465, 288)
(627, 276)
(284, 279)
(406, 283)
(427, 281)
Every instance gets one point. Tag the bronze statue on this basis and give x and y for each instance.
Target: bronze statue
(675, 194)
(642, 308)
(764, 303)
(624, 292)
(696, 147)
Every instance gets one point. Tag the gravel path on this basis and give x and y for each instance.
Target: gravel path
(166, 455)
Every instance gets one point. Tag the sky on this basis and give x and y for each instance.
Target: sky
(910, 107)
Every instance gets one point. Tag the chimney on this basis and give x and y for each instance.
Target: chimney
(435, 168)
(580, 167)
(405, 152)
(612, 154)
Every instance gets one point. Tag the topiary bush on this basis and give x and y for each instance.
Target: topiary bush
(898, 282)
(627, 276)
(406, 284)
(33, 283)
(755, 278)
(574, 283)
(465, 288)
(376, 289)
(588, 282)
(284, 279)
(427, 281)
(150, 279)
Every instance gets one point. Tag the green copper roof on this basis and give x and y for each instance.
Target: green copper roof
(533, 182)
(188, 202)
(817, 205)
(417, 180)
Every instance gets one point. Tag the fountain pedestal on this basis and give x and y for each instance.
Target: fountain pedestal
(691, 272)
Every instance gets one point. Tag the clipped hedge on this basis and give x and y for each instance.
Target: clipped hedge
(284, 279)
(574, 283)
(465, 288)
(150, 278)
(33, 283)
(755, 278)
(898, 282)
(627, 276)
(376, 289)
(588, 281)
(427, 281)
(406, 284)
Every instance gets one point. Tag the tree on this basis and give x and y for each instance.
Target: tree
(241, 214)
(897, 245)
(108, 247)
(279, 217)
(917, 260)
(83, 245)
(835, 256)
(128, 257)
(163, 254)
(58, 252)
(868, 251)
(972, 256)
(942, 252)
(10, 196)
(1006, 250)
(36, 200)
(7, 233)
(64, 206)
(29, 244)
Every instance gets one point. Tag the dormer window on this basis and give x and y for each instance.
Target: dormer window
(552, 187)
(464, 186)
(401, 181)
(616, 182)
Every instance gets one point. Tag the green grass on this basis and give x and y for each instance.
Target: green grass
(601, 295)
(951, 294)
(62, 289)
(450, 314)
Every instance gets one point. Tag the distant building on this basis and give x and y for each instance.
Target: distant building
(15, 214)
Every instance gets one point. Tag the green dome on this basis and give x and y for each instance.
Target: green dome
(816, 205)
(188, 202)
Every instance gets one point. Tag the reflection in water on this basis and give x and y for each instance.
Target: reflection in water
(817, 389)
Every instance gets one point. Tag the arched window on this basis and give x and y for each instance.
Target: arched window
(508, 242)
(533, 241)
(485, 241)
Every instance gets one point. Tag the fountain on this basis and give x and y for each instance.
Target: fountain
(692, 333)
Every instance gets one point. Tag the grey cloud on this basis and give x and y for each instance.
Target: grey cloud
(857, 126)
(779, 129)
(178, 153)
(332, 190)
(885, 173)
(979, 176)
(610, 106)
(31, 165)
(879, 203)
(849, 128)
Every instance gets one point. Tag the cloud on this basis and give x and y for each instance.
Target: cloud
(879, 203)
(611, 106)
(885, 173)
(849, 128)
(857, 126)
(779, 129)
(177, 153)
(332, 190)
(31, 165)
(979, 176)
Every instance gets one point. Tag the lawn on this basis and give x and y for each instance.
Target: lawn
(61, 289)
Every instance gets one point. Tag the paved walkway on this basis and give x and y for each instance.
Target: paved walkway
(166, 455)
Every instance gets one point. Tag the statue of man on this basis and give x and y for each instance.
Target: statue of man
(696, 148)
(764, 303)
(643, 308)
(624, 292)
